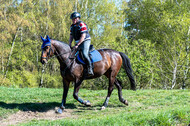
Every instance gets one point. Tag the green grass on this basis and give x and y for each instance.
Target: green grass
(146, 107)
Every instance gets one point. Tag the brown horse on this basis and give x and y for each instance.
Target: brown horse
(72, 71)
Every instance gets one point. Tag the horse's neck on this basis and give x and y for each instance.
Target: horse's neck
(63, 52)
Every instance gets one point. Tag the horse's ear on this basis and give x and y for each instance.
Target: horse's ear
(42, 38)
(48, 38)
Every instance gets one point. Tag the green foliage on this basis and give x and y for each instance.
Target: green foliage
(23, 78)
(4, 81)
(50, 81)
(165, 24)
(154, 34)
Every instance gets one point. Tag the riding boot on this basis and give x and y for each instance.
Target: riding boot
(90, 70)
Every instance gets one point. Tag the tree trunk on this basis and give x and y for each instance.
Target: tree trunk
(2, 64)
(13, 44)
(174, 75)
(187, 62)
(86, 9)
(41, 80)
(76, 2)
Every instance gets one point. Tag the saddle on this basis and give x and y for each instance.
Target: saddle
(94, 55)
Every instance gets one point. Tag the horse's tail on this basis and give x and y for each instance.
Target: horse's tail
(128, 69)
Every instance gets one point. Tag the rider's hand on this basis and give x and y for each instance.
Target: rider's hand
(75, 47)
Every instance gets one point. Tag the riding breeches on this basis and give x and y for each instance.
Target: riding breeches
(84, 47)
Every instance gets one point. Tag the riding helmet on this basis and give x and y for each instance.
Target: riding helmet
(75, 15)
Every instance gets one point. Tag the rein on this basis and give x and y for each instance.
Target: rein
(68, 64)
(57, 55)
(63, 54)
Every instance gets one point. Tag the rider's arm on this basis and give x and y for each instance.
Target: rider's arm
(81, 39)
(70, 40)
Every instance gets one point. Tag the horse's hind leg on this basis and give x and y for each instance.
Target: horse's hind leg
(118, 85)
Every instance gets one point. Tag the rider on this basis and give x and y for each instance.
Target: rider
(79, 32)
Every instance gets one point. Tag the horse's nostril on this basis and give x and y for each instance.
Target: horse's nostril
(42, 61)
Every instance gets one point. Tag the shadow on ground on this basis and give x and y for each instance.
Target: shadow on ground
(34, 107)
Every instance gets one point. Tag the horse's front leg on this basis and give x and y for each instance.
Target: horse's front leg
(75, 93)
(66, 88)
(110, 89)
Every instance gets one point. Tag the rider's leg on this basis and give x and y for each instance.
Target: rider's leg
(85, 50)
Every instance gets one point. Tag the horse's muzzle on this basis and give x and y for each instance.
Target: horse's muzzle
(44, 60)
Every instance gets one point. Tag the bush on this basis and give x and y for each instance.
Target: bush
(4, 81)
(22, 78)
(51, 81)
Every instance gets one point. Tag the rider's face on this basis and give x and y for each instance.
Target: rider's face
(75, 20)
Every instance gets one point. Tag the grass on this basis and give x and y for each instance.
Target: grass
(146, 107)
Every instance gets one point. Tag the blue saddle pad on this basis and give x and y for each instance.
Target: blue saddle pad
(95, 57)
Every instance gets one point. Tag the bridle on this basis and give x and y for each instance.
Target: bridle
(48, 54)
(58, 55)
(68, 64)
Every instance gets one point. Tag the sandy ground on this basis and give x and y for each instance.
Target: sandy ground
(25, 116)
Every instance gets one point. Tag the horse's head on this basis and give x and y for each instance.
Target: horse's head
(47, 50)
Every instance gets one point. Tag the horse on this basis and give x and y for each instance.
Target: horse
(73, 71)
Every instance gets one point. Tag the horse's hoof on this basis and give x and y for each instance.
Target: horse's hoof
(87, 103)
(59, 111)
(103, 107)
(126, 102)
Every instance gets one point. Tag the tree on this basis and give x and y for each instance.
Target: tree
(164, 23)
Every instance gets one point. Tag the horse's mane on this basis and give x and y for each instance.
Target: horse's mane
(61, 43)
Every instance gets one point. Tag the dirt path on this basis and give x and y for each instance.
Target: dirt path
(25, 116)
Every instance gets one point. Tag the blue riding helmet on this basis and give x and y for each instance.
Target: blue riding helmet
(46, 42)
